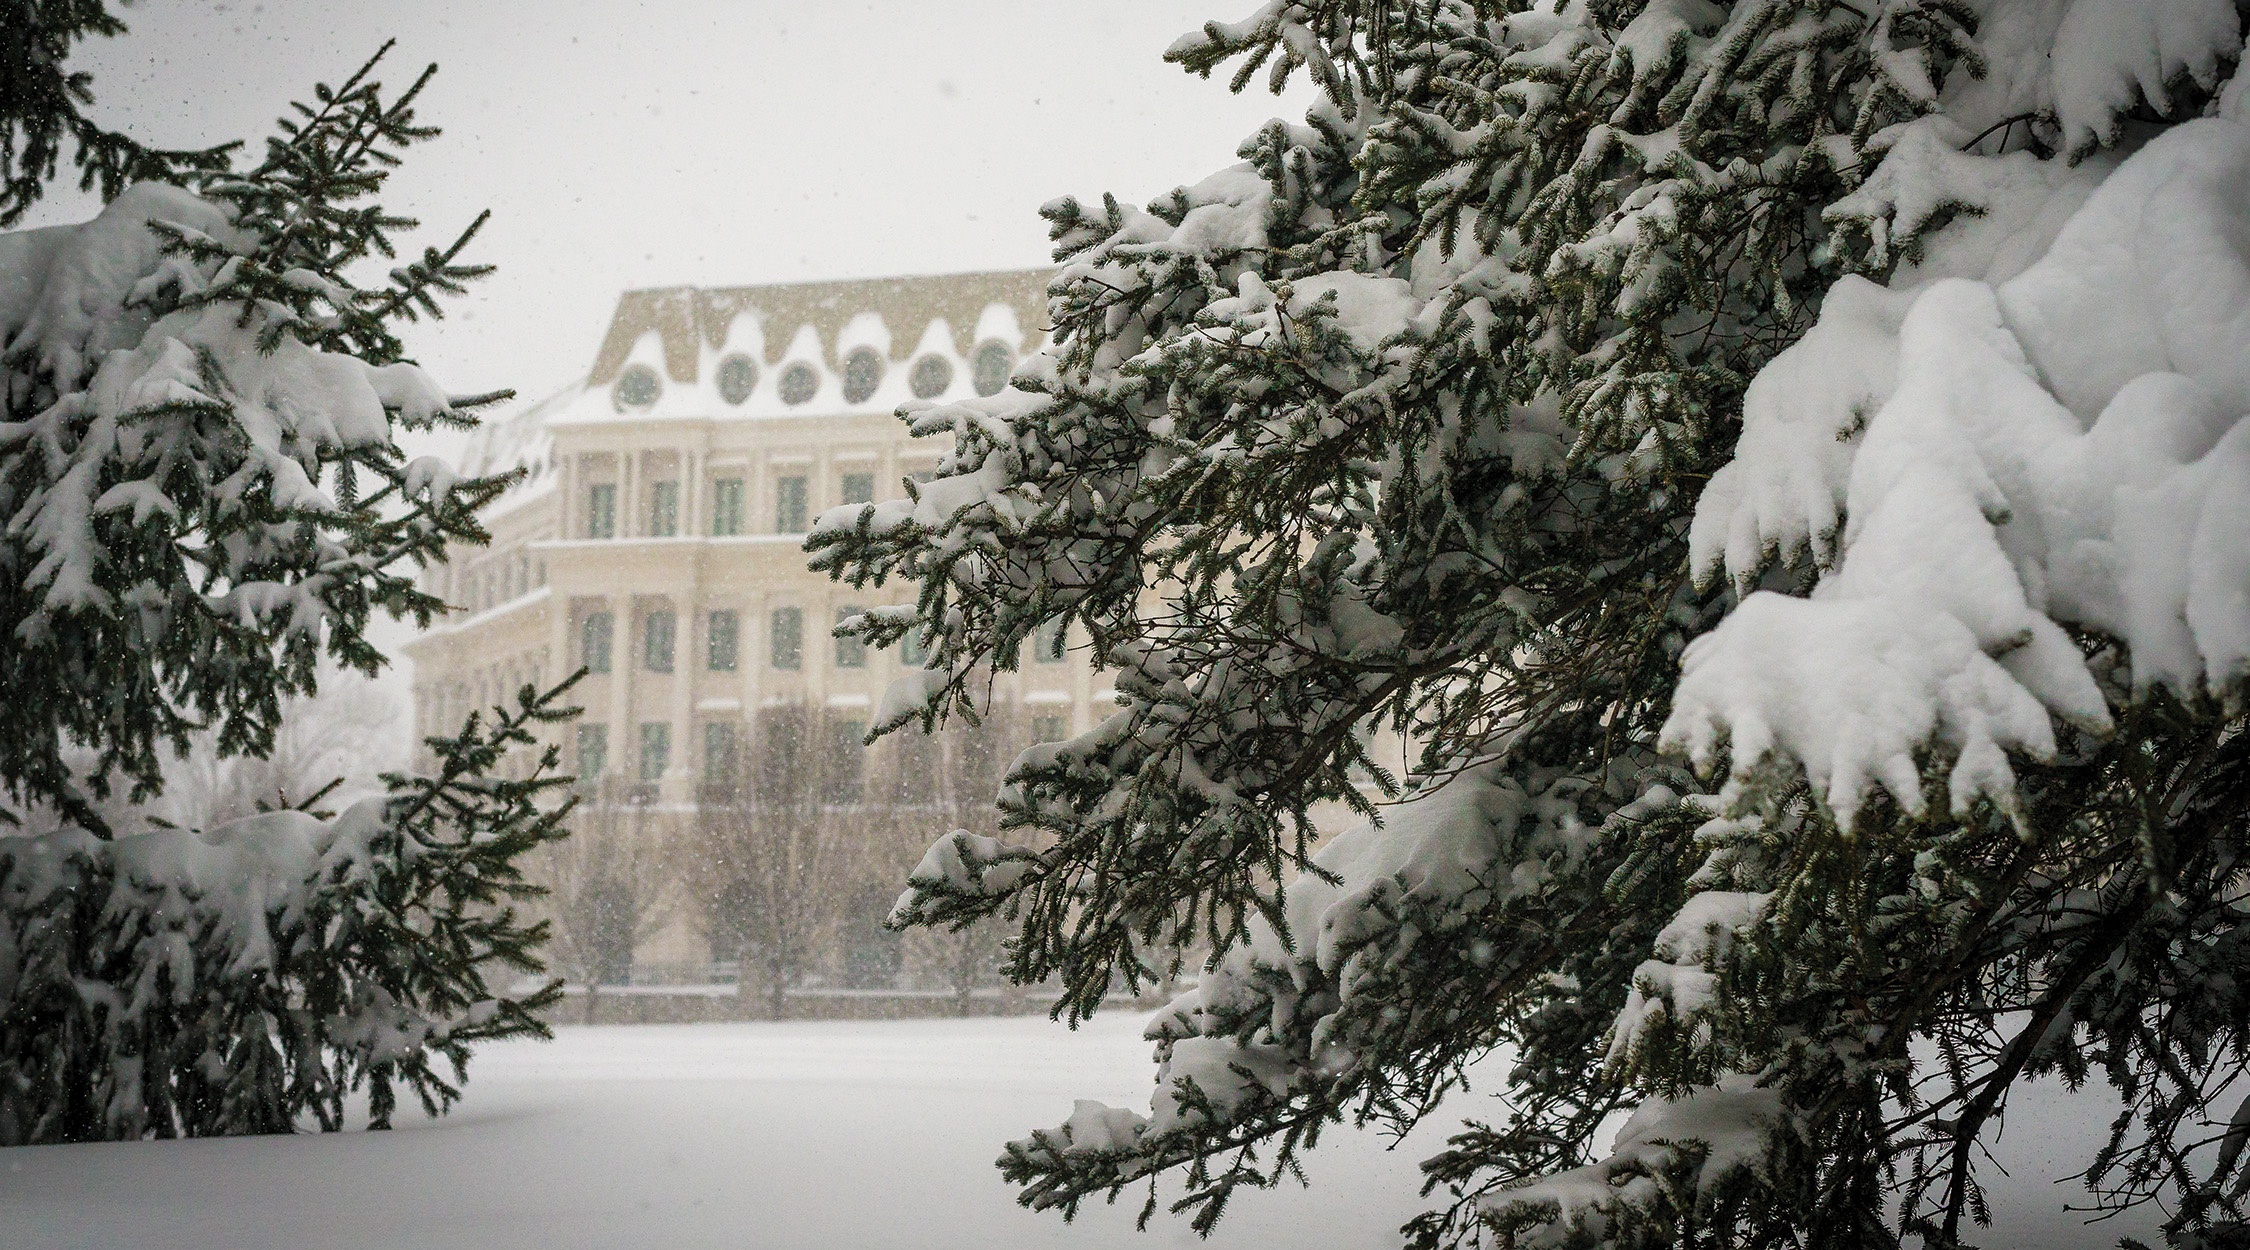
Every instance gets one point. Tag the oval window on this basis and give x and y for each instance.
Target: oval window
(863, 372)
(738, 376)
(932, 374)
(994, 363)
(637, 387)
(798, 383)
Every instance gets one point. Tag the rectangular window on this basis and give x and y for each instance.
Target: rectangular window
(593, 642)
(718, 752)
(850, 652)
(912, 650)
(593, 752)
(656, 749)
(1049, 644)
(722, 639)
(663, 509)
(859, 488)
(656, 641)
(1048, 729)
(601, 511)
(789, 505)
(788, 638)
(726, 507)
(840, 774)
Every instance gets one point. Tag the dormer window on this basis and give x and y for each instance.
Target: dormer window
(932, 374)
(993, 365)
(738, 376)
(863, 372)
(637, 387)
(798, 383)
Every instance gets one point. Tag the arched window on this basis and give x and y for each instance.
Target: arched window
(863, 372)
(637, 387)
(798, 383)
(994, 363)
(738, 376)
(932, 374)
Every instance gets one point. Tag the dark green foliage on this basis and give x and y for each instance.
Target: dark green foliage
(1399, 428)
(203, 517)
(206, 499)
(195, 983)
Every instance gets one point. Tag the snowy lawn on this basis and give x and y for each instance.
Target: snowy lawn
(830, 1135)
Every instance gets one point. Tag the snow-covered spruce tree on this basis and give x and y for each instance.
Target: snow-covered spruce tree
(1890, 354)
(176, 983)
(204, 501)
(198, 463)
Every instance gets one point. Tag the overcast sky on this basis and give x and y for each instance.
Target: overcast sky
(699, 142)
(623, 145)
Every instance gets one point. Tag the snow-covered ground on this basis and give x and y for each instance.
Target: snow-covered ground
(837, 1136)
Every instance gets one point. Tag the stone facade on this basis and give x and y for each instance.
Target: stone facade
(657, 541)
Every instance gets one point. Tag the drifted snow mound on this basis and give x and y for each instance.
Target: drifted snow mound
(2064, 448)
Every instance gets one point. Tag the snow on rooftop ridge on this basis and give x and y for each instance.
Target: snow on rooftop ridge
(749, 373)
(744, 336)
(999, 322)
(517, 438)
(865, 329)
(937, 339)
(999, 305)
(803, 345)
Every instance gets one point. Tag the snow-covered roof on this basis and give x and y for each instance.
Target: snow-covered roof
(517, 438)
(812, 347)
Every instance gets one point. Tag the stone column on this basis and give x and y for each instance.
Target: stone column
(566, 506)
(629, 521)
(686, 752)
(693, 524)
(624, 739)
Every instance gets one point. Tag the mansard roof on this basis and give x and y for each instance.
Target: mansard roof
(693, 322)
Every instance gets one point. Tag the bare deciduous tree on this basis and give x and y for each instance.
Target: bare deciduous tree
(803, 836)
(767, 847)
(613, 884)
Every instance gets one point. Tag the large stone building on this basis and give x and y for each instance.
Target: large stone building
(657, 541)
